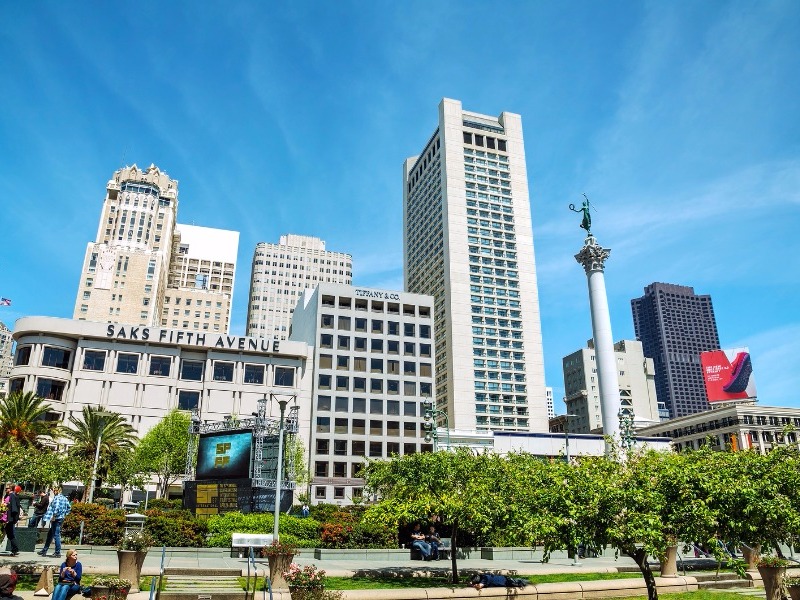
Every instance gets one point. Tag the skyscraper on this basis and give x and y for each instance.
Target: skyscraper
(280, 274)
(125, 269)
(468, 242)
(146, 269)
(675, 325)
(6, 358)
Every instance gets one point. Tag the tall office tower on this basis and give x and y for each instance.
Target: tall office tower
(675, 325)
(6, 358)
(280, 274)
(637, 391)
(125, 269)
(373, 369)
(202, 271)
(468, 242)
(551, 409)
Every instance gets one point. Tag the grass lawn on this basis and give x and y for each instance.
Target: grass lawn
(391, 583)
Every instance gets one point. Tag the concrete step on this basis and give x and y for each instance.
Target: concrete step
(216, 572)
(185, 587)
(724, 584)
(714, 577)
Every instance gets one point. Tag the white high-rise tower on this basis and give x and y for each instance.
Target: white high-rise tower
(468, 241)
(280, 274)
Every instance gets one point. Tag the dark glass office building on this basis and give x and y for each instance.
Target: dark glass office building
(675, 325)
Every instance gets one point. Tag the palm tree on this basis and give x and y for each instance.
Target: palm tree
(23, 420)
(116, 438)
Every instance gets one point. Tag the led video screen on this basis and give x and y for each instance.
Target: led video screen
(224, 455)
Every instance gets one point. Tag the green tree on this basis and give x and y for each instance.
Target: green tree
(41, 467)
(162, 451)
(118, 438)
(460, 487)
(23, 420)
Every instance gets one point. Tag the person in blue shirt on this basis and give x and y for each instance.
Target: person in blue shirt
(484, 580)
(59, 508)
(69, 577)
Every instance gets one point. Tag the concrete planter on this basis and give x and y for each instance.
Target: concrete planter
(669, 562)
(751, 556)
(794, 592)
(278, 563)
(130, 566)
(772, 578)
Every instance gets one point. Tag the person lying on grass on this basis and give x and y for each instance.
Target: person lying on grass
(483, 580)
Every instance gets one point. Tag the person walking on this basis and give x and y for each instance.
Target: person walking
(12, 516)
(39, 508)
(69, 577)
(59, 508)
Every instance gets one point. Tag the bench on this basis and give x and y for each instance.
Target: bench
(444, 550)
(242, 542)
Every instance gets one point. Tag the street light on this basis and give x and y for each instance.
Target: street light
(101, 415)
(278, 475)
(431, 414)
(566, 434)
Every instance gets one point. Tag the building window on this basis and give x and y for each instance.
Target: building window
(192, 370)
(340, 447)
(16, 385)
(376, 449)
(94, 360)
(359, 405)
(323, 446)
(321, 468)
(50, 389)
(160, 366)
(223, 371)
(376, 406)
(323, 424)
(254, 374)
(326, 340)
(127, 363)
(188, 400)
(339, 470)
(284, 376)
(358, 448)
(320, 492)
(56, 357)
(342, 404)
(338, 493)
(23, 356)
(325, 361)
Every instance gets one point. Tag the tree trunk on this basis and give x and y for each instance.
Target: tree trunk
(454, 551)
(640, 557)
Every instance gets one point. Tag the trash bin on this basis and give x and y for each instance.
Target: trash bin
(26, 539)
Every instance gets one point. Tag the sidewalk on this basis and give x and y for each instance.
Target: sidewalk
(104, 560)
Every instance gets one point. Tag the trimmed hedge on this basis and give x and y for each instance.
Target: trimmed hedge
(295, 530)
(178, 529)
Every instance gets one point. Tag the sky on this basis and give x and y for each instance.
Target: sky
(680, 120)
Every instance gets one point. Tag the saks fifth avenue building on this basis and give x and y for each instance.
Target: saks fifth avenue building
(144, 372)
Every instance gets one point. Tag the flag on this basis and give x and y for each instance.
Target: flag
(5, 302)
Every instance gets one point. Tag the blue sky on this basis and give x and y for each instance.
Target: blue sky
(679, 119)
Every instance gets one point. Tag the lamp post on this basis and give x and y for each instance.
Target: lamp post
(279, 474)
(101, 415)
(566, 434)
(431, 414)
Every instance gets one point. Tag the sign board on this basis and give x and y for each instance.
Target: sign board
(728, 374)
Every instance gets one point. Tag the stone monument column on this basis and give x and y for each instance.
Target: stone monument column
(592, 257)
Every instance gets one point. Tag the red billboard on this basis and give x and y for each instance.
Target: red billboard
(728, 374)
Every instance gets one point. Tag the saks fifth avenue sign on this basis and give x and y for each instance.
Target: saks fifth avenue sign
(191, 338)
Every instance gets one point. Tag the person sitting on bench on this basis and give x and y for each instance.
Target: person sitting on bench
(418, 542)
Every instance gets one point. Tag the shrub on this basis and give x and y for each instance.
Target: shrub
(107, 502)
(302, 532)
(163, 504)
(102, 527)
(179, 529)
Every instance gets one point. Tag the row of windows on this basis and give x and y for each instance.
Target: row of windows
(376, 427)
(376, 365)
(375, 345)
(159, 366)
(376, 386)
(376, 326)
(377, 406)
